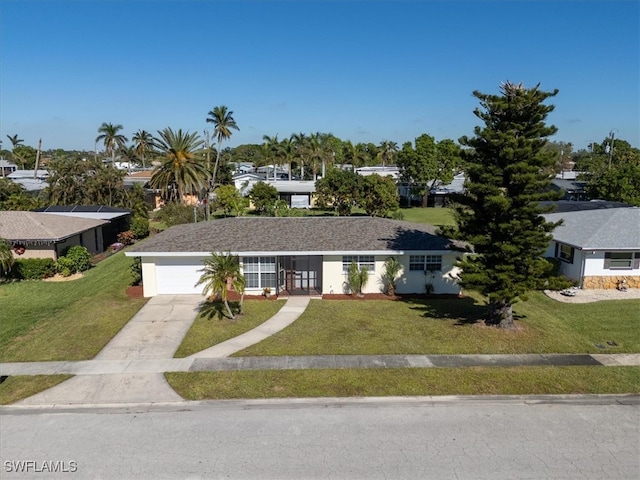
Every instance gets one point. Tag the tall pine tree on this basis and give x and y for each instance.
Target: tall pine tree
(500, 214)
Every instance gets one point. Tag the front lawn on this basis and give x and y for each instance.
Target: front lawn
(73, 320)
(453, 326)
(209, 329)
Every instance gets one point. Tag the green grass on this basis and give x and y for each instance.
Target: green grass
(432, 216)
(209, 328)
(403, 382)
(73, 320)
(23, 386)
(454, 326)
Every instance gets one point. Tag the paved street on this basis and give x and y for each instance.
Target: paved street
(422, 438)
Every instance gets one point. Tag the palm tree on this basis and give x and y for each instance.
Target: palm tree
(128, 154)
(301, 146)
(271, 150)
(180, 172)
(143, 144)
(388, 150)
(392, 268)
(288, 149)
(355, 154)
(220, 272)
(15, 141)
(223, 122)
(111, 138)
(6, 257)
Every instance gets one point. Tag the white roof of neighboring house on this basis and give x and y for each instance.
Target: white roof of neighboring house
(28, 174)
(602, 229)
(42, 227)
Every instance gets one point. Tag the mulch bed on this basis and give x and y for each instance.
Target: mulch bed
(135, 291)
(382, 296)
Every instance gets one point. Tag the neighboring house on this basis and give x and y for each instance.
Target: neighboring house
(384, 171)
(297, 193)
(119, 218)
(598, 248)
(570, 187)
(7, 167)
(42, 235)
(300, 255)
(439, 196)
(31, 180)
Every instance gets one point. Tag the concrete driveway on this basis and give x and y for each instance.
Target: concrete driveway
(155, 332)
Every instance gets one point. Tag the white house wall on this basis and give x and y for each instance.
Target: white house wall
(149, 282)
(334, 280)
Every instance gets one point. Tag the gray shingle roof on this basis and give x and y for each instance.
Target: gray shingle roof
(295, 234)
(35, 226)
(602, 229)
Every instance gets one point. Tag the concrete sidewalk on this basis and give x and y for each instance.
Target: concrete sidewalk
(282, 319)
(197, 364)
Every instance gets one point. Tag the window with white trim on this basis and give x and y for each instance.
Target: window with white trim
(364, 262)
(425, 263)
(564, 252)
(618, 260)
(259, 272)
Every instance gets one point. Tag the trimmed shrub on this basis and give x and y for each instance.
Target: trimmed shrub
(80, 258)
(33, 268)
(136, 271)
(126, 238)
(140, 227)
(65, 266)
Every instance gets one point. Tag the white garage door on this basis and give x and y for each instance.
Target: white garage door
(178, 275)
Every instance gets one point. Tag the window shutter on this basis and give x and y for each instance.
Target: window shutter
(607, 260)
(557, 248)
(636, 261)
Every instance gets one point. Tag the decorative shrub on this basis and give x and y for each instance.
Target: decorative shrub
(140, 227)
(65, 266)
(126, 238)
(33, 268)
(80, 258)
(136, 271)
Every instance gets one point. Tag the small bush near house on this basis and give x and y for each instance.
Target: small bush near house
(33, 268)
(140, 227)
(126, 238)
(64, 266)
(136, 271)
(80, 258)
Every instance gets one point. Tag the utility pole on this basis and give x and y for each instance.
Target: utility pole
(207, 210)
(35, 172)
(611, 148)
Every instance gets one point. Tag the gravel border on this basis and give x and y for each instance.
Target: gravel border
(594, 295)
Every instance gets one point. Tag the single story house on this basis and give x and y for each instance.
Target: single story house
(7, 167)
(42, 235)
(119, 218)
(300, 255)
(598, 248)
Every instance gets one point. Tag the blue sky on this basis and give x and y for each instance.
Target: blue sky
(365, 70)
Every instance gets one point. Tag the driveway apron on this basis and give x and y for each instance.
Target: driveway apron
(155, 332)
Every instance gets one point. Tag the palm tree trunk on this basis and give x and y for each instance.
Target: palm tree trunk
(226, 304)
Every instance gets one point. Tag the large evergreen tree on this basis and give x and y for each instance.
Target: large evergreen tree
(500, 214)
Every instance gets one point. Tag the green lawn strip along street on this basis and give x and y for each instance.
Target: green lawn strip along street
(406, 382)
(209, 329)
(454, 326)
(72, 320)
(23, 386)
